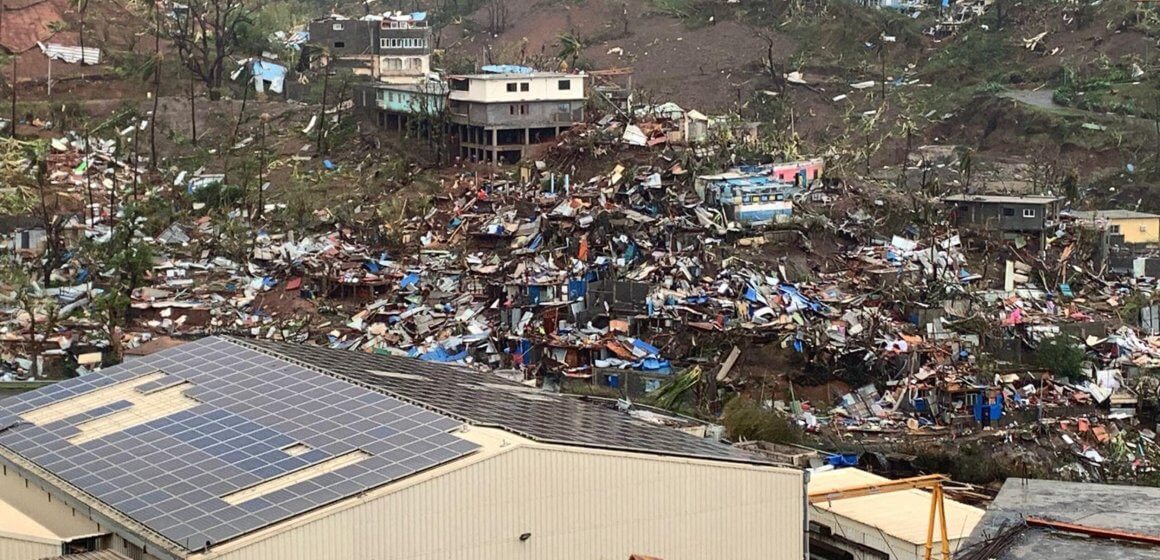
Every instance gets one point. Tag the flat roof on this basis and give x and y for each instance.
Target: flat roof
(901, 514)
(1108, 506)
(516, 76)
(1110, 214)
(1002, 199)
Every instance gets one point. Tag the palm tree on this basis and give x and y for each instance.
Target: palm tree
(570, 48)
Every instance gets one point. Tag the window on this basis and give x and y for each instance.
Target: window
(1143, 228)
(1008, 211)
(1114, 228)
(340, 44)
(416, 63)
(402, 43)
(525, 86)
(511, 86)
(815, 174)
(336, 27)
(393, 63)
(564, 84)
(460, 85)
(1028, 212)
(564, 107)
(523, 109)
(511, 109)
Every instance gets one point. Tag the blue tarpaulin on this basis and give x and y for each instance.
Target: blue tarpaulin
(534, 294)
(577, 289)
(409, 280)
(439, 354)
(652, 350)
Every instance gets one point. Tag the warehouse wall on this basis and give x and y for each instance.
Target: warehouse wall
(12, 548)
(573, 504)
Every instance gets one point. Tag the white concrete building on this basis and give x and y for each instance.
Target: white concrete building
(501, 114)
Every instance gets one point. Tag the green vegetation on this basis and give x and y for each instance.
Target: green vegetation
(1062, 356)
(1114, 90)
(745, 419)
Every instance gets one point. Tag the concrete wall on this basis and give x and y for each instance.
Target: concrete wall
(1004, 217)
(356, 37)
(540, 88)
(1138, 230)
(518, 115)
(573, 505)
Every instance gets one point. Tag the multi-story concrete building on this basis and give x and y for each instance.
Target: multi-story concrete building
(390, 48)
(500, 114)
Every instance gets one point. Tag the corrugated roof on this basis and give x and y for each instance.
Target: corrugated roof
(484, 399)
(98, 555)
(1110, 214)
(901, 514)
(1002, 199)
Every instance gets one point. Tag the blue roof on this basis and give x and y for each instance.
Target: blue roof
(506, 69)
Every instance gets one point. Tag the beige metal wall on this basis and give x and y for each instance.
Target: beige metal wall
(15, 549)
(575, 504)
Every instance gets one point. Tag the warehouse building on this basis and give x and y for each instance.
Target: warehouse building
(232, 449)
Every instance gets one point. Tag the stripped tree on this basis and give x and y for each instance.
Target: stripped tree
(207, 34)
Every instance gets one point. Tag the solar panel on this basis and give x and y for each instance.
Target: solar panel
(489, 400)
(172, 473)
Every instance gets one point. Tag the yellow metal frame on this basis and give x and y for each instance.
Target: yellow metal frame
(937, 504)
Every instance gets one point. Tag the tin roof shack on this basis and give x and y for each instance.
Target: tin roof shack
(501, 114)
(1135, 228)
(759, 194)
(1010, 215)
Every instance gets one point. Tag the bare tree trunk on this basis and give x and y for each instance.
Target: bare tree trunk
(156, 89)
(322, 108)
(14, 95)
(192, 110)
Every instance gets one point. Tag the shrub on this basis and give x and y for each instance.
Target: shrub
(1060, 355)
(744, 419)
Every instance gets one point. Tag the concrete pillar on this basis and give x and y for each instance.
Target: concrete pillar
(494, 137)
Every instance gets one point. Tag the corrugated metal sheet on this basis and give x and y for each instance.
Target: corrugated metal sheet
(16, 549)
(909, 509)
(98, 555)
(571, 504)
(71, 55)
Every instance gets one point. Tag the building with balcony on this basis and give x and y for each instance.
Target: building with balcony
(499, 115)
(391, 47)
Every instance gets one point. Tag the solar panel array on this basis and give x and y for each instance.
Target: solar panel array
(172, 473)
(489, 400)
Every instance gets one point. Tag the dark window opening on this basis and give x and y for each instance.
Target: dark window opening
(511, 87)
(460, 85)
(1008, 211)
(340, 44)
(565, 84)
(525, 86)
